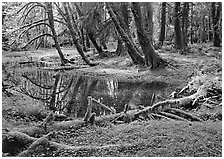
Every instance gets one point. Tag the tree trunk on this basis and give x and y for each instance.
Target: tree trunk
(74, 36)
(124, 7)
(132, 51)
(93, 40)
(120, 47)
(148, 22)
(150, 55)
(210, 33)
(191, 24)
(123, 24)
(185, 23)
(177, 27)
(90, 33)
(216, 12)
(163, 24)
(83, 40)
(55, 38)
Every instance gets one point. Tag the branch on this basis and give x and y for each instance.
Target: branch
(30, 9)
(67, 88)
(46, 34)
(23, 91)
(38, 85)
(27, 25)
(60, 11)
(34, 25)
(183, 114)
(59, 21)
(103, 105)
(26, 5)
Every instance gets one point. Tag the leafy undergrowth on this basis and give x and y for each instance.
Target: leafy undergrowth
(138, 139)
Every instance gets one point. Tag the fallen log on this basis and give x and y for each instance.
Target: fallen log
(29, 146)
(131, 114)
(176, 103)
(172, 116)
(183, 114)
(103, 105)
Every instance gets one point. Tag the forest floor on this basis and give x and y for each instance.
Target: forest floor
(146, 138)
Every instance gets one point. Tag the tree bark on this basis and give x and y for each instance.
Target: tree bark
(120, 47)
(74, 36)
(216, 12)
(149, 20)
(90, 33)
(133, 53)
(191, 23)
(185, 23)
(151, 56)
(93, 40)
(177, 27)
(55, 38)
(124, 7)
(162, 24)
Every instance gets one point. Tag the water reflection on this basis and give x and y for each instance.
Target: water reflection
(72, 90)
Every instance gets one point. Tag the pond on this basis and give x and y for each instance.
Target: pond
(68, 90)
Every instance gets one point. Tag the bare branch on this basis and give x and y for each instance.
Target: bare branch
(38, 85)
(60, 11)
(36, 38)
(37, 5)
(27, 25)
(69, 86)
(26, 5)
(35, 25)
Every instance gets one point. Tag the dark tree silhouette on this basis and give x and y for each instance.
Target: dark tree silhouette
(177, 27)
(162, 24)
(185, 14)
(216, 13)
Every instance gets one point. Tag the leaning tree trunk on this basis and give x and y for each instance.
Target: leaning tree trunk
(125, 12)
(74, 36)
(163, 24)
(90, 32)
(132, 51)
(151, 56)
(125, 21)
(177, 27)
(54, 35)
(216, 12)
(93, 40)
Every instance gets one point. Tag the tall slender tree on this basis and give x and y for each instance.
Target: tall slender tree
(67, 19)
(49, 10)
(216, 13)
(177, 28)
(162, 24)
(185, 15)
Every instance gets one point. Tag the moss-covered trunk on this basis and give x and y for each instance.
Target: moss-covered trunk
(151, 56)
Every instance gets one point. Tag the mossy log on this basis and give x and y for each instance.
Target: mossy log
(22, 145)
(175, 103)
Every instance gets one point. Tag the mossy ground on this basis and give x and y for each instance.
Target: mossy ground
(140, 138)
